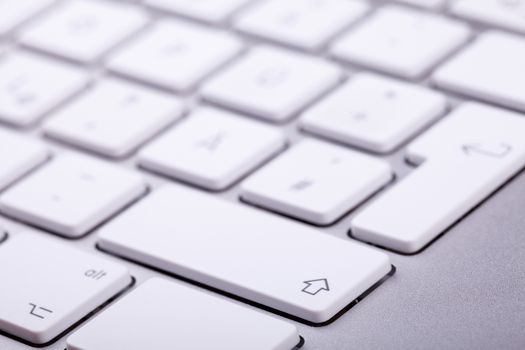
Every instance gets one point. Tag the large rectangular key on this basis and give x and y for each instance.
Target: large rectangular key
(161, 314)
(257, 256)
(465, 158)
(46, 287)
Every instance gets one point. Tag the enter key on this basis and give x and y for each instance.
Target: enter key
(464, 159)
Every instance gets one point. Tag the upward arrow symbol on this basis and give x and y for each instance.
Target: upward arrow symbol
(315, 286)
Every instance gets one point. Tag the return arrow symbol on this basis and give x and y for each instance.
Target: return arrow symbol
(315, 286)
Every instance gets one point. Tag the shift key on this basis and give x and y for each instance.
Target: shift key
(259, 257)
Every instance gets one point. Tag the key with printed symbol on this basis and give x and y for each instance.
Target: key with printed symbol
(162, 231)
(213, 11)
(83, 30)
(40, 302)
(29, 154)
(374, 112)
(172, 45)
(271, 83)
(212, 149)
(307, 24)
(316, 182)
(113, 118)
(464, 158)
(32, 85)
(71, 194)
(401, 41)
(159, 312)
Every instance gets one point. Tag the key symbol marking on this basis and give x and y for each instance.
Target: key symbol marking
(83, 25)
(301, 185)
(212, 142)
(498, 150)
(271, 77)
(315, 286)
(37, 311)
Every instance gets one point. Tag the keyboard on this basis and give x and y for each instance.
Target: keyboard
(181, 174)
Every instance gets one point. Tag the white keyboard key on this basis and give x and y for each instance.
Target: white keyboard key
(168, 230)
(401, 41)
(491, 69)
(316, 182)
(374, 113)
(466, 157)
(14, 164)
(429, 4)
(179, 54)
(167, 320)
(114, 118)
(30, 86)
(41, 299)
(271, 84)
(83, 30)
(509, 14)
(212, 149)
(71, 195)
(214, 11)
(15, 12)
(307, 24)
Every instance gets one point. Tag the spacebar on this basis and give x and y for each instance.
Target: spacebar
(240, 250)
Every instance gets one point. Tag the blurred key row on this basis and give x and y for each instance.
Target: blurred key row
(305, 24)
(313, 181)
(393, 40)
(397, 40)
(207, 144)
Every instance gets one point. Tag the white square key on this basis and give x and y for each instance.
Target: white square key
(374, 112)
(316, 182)
(212, 149)
(214, 11)
(114, 118)
(401, 41)
(71, 195)
(18, 155)
(48, 286)
(272, 84)
(30, 86)
(491, 69)
(15, 12)
(175, 55)
(183, 54)
(83, 30)
(307, 24)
